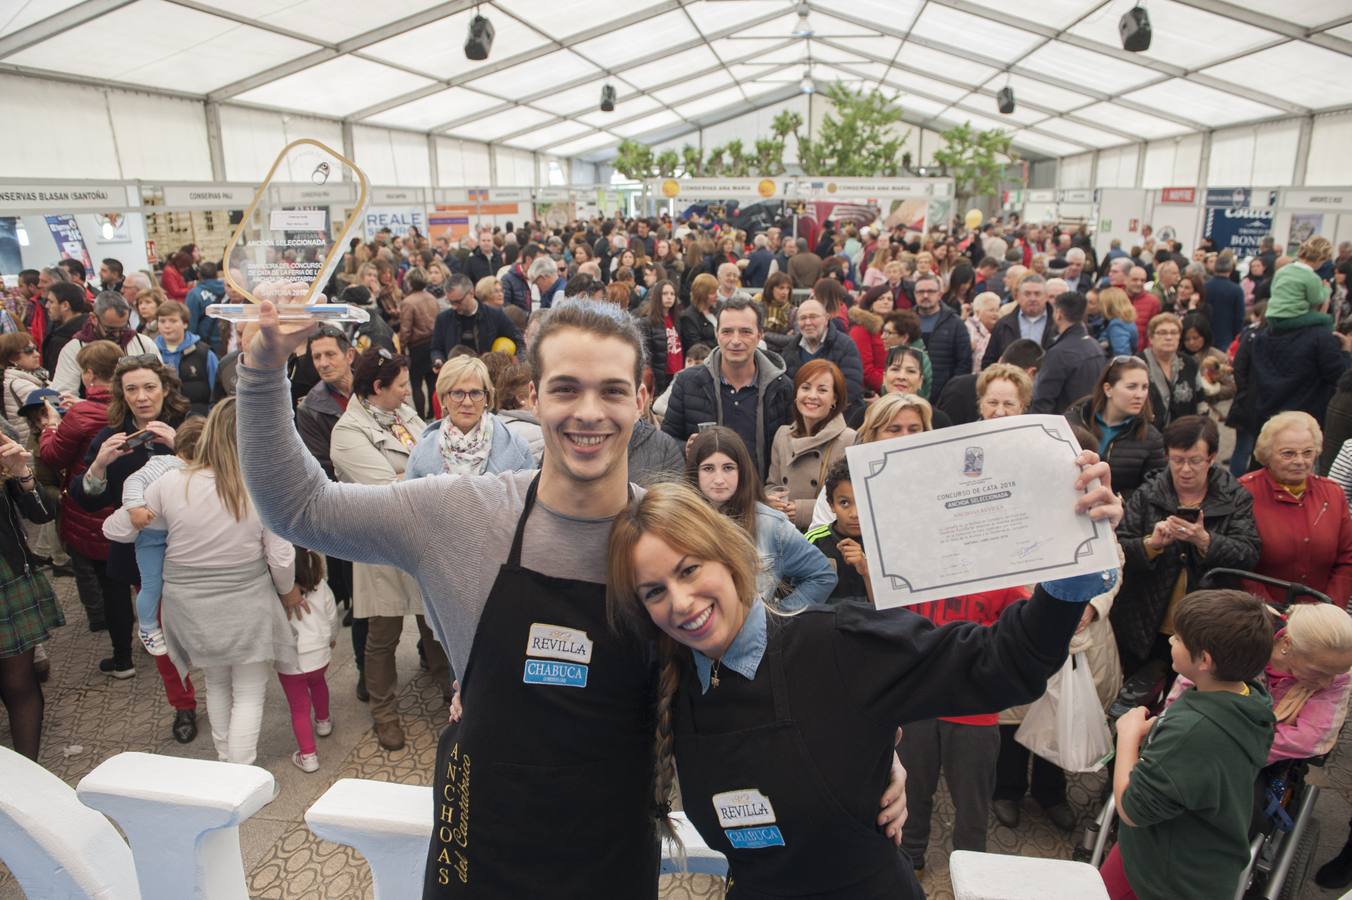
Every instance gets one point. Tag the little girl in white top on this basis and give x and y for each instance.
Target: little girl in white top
(315, 632)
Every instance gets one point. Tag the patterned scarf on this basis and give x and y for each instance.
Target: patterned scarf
(392, 422)
(465, 454)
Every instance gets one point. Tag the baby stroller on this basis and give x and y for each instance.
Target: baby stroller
(1283, 834)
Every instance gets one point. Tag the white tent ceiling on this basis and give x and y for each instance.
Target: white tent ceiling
(681, 64)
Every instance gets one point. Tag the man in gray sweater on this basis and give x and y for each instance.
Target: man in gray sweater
(511, 566)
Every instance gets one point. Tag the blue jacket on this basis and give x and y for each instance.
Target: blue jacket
(788, 557)
(1122, 337)
(199, 298)
(510, 452)
(173, 357)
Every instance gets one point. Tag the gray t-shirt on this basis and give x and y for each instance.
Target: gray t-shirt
(452, 533)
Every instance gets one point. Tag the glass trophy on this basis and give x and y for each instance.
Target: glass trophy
(291, 240)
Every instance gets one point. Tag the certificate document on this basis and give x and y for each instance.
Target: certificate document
(974, 508)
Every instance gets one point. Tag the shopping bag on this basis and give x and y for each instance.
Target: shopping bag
(1066, 725)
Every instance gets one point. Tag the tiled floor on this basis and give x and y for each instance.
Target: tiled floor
(90, 717)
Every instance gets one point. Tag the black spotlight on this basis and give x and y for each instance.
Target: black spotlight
(607, 98)
(480, 39)
(1005, 99)
(1134, 27)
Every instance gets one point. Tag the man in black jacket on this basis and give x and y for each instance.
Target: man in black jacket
(739, 386)
(469, 322)
(515, 284)
(1073, 362)
(1031, 316)
(816, 339)
(946, 338)
(67, 311)
(485, 260)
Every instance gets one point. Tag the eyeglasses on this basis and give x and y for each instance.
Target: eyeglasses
(1120, 360)
(477, 395)
(1193, 463)
(925, 291)
(143, 359)
(1293, 455)
(29, 349)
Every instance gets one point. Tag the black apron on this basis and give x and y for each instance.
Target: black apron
(545, 787)
(757, 797)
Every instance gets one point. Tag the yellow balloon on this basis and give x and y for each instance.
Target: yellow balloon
(505, 345)
(973, 218)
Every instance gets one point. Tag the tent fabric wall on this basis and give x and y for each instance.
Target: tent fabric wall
(393, 158)
(1117, 167)
(1172, 162)
(462, 163)
(1265, 154)
(56, 131)
(160, 137)
(1330, 137)
(515, 168)
(251, 138)
(1077, 171)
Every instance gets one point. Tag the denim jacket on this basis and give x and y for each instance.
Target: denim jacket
(787, 556)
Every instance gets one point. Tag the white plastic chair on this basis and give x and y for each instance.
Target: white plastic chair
(995, 876)
(181, 818)
(57, 848)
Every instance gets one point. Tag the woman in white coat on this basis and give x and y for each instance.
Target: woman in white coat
(371, 445)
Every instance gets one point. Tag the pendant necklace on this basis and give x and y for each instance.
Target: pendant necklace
(713, 675)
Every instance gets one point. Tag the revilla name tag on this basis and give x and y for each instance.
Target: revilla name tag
(557, 642)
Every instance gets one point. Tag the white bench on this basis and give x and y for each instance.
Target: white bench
(181, 818)
(57, 848)
(994, 876)
(391, 824)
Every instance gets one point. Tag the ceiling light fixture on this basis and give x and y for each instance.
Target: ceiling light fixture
(480, 39)
(803, 27)
(607, 98)
(1134, 26)
(807, 85)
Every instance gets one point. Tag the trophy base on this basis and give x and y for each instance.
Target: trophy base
(290, 312)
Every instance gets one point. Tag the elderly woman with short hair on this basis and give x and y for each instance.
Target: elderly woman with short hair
(985, 313)
(469, 440)
(488, 290)
(1302, 518)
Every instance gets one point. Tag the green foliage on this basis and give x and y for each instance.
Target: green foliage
(634, 161)
(975, 159)
(858, 139)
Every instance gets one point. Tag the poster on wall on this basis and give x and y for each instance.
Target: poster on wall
(11, 251)
(113, 228)
(398, 220)
(1237, 228)
(1303, 227)
(453, 220)
(69, 242)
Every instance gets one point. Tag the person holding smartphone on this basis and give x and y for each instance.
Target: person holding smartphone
(1185, 519)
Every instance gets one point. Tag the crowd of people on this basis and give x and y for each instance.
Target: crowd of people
(167, 463)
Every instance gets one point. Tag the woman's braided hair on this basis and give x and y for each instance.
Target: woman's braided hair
(678, 515)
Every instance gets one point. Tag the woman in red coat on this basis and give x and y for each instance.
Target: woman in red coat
(1302, 518)
(63, 444)
(866, 330)
(175, 285)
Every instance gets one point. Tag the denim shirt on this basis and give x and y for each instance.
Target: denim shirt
(787, 556)
(745, 652)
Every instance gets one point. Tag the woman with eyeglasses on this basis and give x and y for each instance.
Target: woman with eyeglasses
(21, 360)
(1302, 517)
(371, 444)
(1191, 517)
(1175, 381)
(469, 439)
